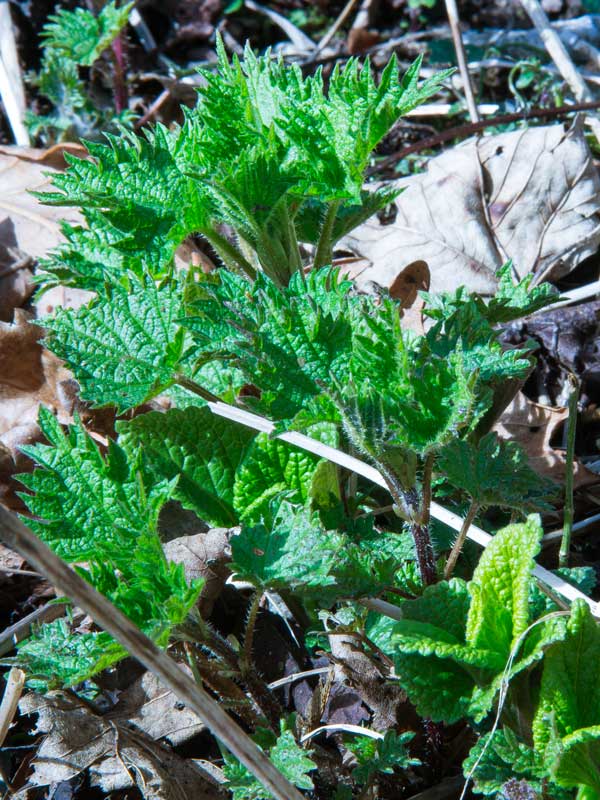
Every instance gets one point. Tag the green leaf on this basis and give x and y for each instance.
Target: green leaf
(493, 472)
(287, 756)
(381, 755)
(54, 656)
(499, 611)
(567, 722)
(82, 37)
(124, 348)
(272, 467)
(199, 450)
(296, 554)
(501, 756)
(84, 504)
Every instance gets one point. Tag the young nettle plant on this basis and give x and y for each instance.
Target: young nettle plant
(278, 160)
(73, 40)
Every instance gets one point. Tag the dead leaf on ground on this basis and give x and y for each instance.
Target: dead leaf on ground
(533, 426)
(117, 754)
(531, 195)
(29, 377)
(28, 229)
(204, 555)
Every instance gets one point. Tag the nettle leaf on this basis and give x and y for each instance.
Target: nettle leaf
(86, 504)
(499, 612)
(55, 656)
(381, 755)
(287, 756)
(153, 592)
(295, 551)
(493, 472)
(199, 450)
(567, 721)
(501, 756)
(510, 301)
(288, 342)
(82, 36)
(271, 467)
(124, 348)
(295, 554)
(135, 191)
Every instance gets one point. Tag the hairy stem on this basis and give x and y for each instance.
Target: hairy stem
(119, 83)
(417, 515)
(460, 540)
(230, 253)
(250, 628)
(324, 252)
(563, 555)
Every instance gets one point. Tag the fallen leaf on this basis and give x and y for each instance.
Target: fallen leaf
(117, 755)
(156, 711)
(533, 426)
(28, 229)
(531, 195)
(29, 374)
(203, 555)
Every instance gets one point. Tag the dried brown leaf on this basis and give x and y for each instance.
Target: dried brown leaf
(531, 195)
(533, 426)
(117, 754)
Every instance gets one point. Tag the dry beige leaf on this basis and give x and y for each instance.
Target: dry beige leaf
(29, 375)
(118, 755)
(531, 195)
(151, 708)
(206, 556)
(28, 229)
(533, 427)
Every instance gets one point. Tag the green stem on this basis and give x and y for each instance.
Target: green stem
(229, 253)
(563, 555)
(192, 386)
(246, 659)
(324, 252)
(460, 540)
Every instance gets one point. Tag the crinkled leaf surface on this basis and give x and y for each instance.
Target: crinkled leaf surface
(499, 611)
(199, 450)
(494, 472)
(123, 348)
(86, 503)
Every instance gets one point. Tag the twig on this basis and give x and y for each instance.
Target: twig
(153, 109)
(563, 555)
(22, 629)
(343, 16)
(11, 81)
(556, 536)
(20, 538)
(461, 57)
(10, 700)
(468, 129)
(558, 53)
(297, 37)
(144, 33)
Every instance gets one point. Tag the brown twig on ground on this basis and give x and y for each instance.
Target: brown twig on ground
(461, 57)
(558, 53)
(470, 128)
(20, 538)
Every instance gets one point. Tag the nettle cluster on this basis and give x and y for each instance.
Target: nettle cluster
(269, 170)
